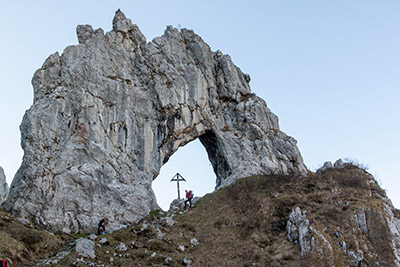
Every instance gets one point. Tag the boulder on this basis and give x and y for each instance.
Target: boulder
(194, 242)
(168, 221)
(339, 164)
(121, 247)
(327, 165)
(176, 205)
(111, 110)
(85, 247)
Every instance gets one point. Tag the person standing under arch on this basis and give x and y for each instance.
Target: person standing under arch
(189, 197)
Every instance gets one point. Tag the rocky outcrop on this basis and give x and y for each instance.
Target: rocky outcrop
(362, 234)
(311, 241)
(3, 186)
(110, 111)
(85, 247)
(297, 230)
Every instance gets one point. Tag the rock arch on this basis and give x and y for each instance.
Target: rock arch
(111, 110)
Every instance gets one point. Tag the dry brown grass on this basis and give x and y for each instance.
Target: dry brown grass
(21, 244)
(244, 224)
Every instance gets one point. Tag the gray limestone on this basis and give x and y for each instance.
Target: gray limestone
(85, 247)
(361, 220)
(297, 230)
(393, 223)
(194, 242)
(327, 165)
(121, 247)
(3, 186)
(339, 164)
(111, 110)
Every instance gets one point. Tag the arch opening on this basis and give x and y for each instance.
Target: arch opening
(192, 162)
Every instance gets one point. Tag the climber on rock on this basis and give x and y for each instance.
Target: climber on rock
(101, 230)
(189, 197)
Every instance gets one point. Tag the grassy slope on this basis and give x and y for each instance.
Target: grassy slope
(21, 243)
(244, 224)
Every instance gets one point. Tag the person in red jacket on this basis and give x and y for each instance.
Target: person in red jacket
(189, 196)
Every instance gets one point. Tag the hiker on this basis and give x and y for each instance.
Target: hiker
(101, 230)
(189, 196)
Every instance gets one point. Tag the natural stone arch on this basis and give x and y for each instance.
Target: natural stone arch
(111, 110)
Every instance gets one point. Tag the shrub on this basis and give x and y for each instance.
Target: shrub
(356, 163)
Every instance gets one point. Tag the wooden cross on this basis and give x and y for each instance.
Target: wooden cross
(178, 178)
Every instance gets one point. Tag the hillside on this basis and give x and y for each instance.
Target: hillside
(345, 220)
(22, 242)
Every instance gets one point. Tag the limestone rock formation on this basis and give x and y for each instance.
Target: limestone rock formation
(110, 111)
(310, 239)
(3, 186)
(85, 247)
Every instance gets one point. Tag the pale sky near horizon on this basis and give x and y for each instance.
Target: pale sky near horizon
(330, 70)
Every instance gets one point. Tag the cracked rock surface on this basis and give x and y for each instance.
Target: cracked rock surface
(3, 186)
(110, 111)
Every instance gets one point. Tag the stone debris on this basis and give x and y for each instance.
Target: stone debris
(194, 242)
(176, 204)
(335, 191)
(187, 261)
(168, 221)
(57, 258)
(83, 262)
(121, 247)
(92, 236)
(181, 248)
(158, 231)
(109, 111)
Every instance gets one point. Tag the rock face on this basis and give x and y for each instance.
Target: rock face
(3, 186)
(110, 111)
(311, 241)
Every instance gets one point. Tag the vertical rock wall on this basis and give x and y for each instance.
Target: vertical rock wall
(110, 111)
(3, 186)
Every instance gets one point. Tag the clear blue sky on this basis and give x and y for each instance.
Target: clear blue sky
(330, 70)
